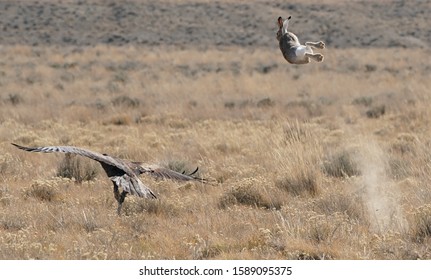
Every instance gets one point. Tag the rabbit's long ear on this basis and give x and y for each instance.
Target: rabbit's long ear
(280, 22)
(285, 24)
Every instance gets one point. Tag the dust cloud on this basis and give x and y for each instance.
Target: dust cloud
(380, 195)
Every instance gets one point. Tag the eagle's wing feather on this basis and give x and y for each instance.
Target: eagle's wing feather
(159, 172)
(117, 170)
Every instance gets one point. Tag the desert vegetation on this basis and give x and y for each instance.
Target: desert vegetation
(324, 161)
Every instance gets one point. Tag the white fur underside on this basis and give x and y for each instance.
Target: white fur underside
(302, 50)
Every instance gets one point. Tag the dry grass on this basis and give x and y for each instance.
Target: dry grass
(302, 171)
(73, 167)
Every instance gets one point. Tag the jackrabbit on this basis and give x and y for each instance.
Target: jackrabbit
(292, 50)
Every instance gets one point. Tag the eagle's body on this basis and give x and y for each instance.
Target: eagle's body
(122, 173)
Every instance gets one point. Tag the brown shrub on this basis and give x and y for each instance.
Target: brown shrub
(15, 99)
(12, 222)
(421, 226)
(298, 184)
(126, 101)
(341, 164)
(376, 112)
(247, 193)
(363, 100)
(158, 207)
(42, 191)
(119, 120)
(337, 202)
(265, 102)
(74, 167)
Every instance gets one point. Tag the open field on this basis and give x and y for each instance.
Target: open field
(323, 161)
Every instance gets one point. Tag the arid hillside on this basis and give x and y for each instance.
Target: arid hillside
(206, 24)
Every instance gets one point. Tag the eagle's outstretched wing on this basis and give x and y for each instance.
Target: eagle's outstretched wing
(117, 170)
(165, 173)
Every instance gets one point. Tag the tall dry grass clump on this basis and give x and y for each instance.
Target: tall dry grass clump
(297, 158)
(337, 200)
(43, 192)
(341, 162)
(300, 183)
(250, 192)
(421, 224)
(74, 167)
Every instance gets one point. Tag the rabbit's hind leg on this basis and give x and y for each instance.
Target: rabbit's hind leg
(316, 56)
(317, 45)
